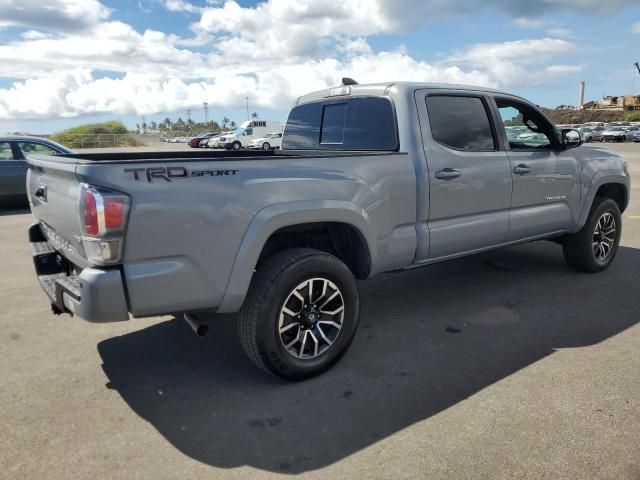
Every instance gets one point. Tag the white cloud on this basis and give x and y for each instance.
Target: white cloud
(114, 46)
(52, 15)
(181, 6)
(273, 52)
(522, 62)
(34, 35)
(529, 23)
(560, 32)
(77, 92)
(562, 69)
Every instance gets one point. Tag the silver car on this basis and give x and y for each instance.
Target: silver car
(591, 134)
(13, 168)
(617, 134)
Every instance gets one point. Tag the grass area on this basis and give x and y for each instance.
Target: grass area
(632, 116)
(96, 135)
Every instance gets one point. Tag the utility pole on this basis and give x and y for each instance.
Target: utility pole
(206, 112)
(247, 99)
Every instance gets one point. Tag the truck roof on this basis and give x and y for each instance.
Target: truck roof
(379, 89)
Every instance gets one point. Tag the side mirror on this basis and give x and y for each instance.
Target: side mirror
(571, 138)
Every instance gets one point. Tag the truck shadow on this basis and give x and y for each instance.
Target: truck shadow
(428, 339)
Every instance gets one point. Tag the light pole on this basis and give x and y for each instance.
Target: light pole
(247, 99)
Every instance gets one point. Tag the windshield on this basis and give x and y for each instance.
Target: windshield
(587, 129)
(616, 129)
(238, 132)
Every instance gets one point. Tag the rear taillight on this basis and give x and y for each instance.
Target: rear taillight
(103, 217)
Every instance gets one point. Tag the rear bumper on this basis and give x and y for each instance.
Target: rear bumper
(94, 294)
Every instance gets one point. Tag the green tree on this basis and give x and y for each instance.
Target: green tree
(225, 122)
(255, 115)
(233, 125)
(179, 125)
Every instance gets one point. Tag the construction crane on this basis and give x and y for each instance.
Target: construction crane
(638, 67)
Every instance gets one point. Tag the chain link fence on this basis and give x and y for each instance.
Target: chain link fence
(105, 140)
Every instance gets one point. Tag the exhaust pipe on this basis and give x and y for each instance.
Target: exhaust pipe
(199, 327)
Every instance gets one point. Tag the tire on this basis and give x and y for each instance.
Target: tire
(236, 146)
(588, 140)
(266, 146)
(580, 250)
(262, 317)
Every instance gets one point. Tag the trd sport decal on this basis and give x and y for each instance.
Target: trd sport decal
(170, 174)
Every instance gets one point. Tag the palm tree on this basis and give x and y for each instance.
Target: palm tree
(225, 122)
(233, 124)
(255, 115)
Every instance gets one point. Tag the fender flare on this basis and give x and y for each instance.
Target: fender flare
(274, 217)
(601, 178)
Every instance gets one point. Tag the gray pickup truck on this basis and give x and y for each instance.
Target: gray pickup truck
(370, 178)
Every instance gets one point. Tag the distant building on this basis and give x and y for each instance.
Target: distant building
(619, 103)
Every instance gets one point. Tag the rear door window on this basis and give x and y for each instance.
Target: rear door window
(357, 123)
(5, 151)
(28, 148)
(460, 122)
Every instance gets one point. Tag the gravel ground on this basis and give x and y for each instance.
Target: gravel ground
(501, 365)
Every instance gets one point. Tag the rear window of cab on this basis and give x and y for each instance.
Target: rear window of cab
(351, 123)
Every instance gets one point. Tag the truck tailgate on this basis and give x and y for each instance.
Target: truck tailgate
(54, 192)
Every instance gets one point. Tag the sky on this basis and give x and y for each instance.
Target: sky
(68, 62)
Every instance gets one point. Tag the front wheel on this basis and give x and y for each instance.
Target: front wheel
(266, 146)
(594, 247)
(300, 315)
(236, 146)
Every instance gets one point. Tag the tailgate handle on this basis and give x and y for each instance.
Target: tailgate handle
(41, 193)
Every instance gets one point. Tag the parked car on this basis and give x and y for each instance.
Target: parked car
(617, 134)
(270, 141)
(591, 134)
(194, 142)
(601, 125)
(214, 142)
(636, 136)
(248, 131)
(282, 237)
(13, 167)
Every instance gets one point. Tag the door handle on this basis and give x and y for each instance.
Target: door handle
(521, 169)
(448, 174)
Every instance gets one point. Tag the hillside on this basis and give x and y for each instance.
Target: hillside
(561, 117)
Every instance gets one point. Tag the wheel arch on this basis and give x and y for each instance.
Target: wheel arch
(615, 187)
(345, 232)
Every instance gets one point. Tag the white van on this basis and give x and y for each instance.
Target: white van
(249, 130)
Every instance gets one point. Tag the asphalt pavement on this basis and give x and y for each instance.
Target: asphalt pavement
(501, 365)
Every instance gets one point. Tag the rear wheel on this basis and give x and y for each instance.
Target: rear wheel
(236, 146)
(266, 146)
(594, 247)
(300, 315)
